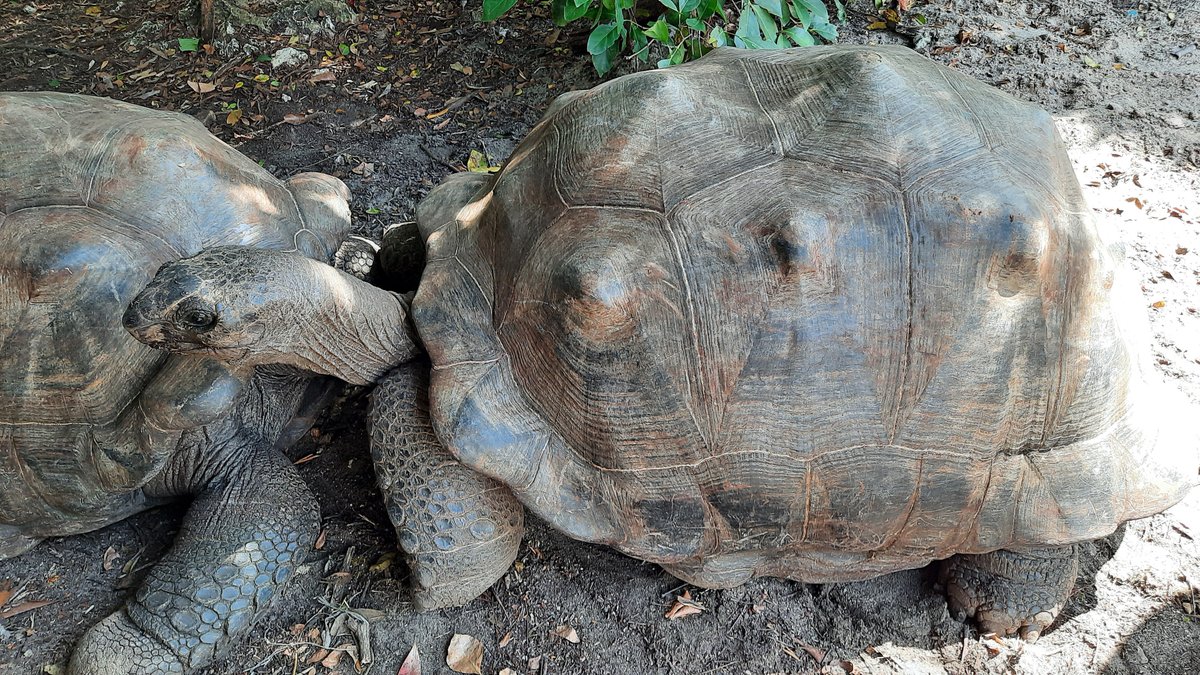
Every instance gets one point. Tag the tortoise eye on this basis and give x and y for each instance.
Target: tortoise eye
(199, 318)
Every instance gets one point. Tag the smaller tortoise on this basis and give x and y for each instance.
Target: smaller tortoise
(95, 196)
(821, 314)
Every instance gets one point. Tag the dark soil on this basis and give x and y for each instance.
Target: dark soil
(420, 86)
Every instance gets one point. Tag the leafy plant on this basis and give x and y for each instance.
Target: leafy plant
(679, 30)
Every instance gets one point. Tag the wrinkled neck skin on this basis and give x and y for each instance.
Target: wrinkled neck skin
(334, 324)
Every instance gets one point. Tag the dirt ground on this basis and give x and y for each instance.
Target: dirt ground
(417, 86)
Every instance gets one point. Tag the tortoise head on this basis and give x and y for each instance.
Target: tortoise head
(234, 303)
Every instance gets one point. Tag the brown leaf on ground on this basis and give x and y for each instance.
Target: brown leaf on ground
(684, 606)
(506, 639)
(567, 633)
(320, 543)
(6, 591)
(110, 557)
(817, 653)
(465, 654)
(201, 87)
(904, 5)
(331, 661)
(412, 663)
(296, 118)
(22, 608)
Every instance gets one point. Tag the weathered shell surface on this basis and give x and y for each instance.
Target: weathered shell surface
(95, 195)
(819, 313)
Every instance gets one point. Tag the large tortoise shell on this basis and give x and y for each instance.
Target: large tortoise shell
(95, 195)
(827, 312)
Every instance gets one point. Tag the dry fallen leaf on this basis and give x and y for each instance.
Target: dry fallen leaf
(296, 118)
(201, 87)
(412, 663)
(22, 608)
(1159, 304)
(110, 557)
(331, 661)
(465, 654)
(233, 116)
(567, 633)
(507, 671)
(535, 664)
(320, 543)
(6, 591)
(506, 639)
(817, 653)
(684, 606)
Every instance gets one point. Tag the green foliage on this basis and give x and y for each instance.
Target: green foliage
(679, 30)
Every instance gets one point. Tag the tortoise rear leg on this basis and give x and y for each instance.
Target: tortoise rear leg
(1009, 591)
(250, 525)
(459, 530)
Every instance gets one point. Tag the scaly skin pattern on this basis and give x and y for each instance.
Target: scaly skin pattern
(1011, 592)
(459, 530)
(251, 523)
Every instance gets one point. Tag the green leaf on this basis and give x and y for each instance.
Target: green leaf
(688, 6)
(825, 30)
(800, 37)
(641, 46)
(766, 23)
(344, 49)
(563, 12)
(602, 37)
(841, 11)
(191, 45)
(818, 9)
(695, 24)
(263, 58)
(603, 62)
(373, 211)
(659, 30)
(494, 9)
(707, 8)
(718, 37)
(802, 14)
(773, 6)
(672, 5)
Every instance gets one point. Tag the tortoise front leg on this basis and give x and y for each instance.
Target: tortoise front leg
(1009, 591)
(459, 530)
(248, 528)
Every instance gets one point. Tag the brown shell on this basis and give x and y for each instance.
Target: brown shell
(95, 195)
(820, 313)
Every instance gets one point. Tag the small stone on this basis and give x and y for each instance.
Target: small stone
(288, 57)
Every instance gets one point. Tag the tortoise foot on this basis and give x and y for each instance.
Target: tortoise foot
(356, 257)
(243, 537)
(459, 530)
(116, 646)
(1010, 592)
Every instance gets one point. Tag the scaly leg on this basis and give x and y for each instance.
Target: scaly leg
(459, 530)
(244, 535)
(1012, 592)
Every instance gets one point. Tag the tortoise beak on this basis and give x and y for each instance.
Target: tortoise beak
(146, 330)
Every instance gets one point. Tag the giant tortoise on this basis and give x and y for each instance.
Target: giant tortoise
(821, 314)
(95, 195)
